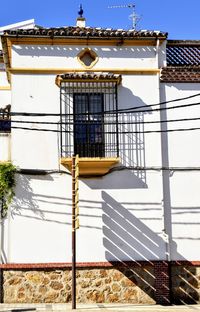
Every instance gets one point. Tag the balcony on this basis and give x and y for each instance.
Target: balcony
(89, 121)
(92, 126)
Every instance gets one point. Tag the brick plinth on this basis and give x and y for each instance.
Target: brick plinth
(162, 282)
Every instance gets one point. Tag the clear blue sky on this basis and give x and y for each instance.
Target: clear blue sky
(180, 18)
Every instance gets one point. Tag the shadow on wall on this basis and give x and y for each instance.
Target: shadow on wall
(28, 200)
(25, 200)
(131, 131)
(126, 238)
(71, 52)
(185, 283)
(25, 197)
(126, 179)
(131, 147)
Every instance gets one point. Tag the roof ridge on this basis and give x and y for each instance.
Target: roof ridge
(74, 31)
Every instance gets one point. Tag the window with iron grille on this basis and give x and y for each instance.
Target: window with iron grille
(88, 124)
(5, 125)
(89, 118)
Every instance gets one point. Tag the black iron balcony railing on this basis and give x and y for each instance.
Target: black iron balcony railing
(91, 124)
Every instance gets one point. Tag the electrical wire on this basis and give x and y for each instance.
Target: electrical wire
(120, 132)
(43, 172)
(106, 123)
(105, 112)
(100, 113)
(36, 122)
(123, 110)
(139, 168)
(40, 171)
(124, 132)
(162, 103)
(158, 109)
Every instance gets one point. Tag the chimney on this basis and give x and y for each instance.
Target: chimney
(80, 21)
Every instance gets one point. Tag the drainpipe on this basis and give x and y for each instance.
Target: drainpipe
(166, 204)
(166, 240)
(157, 52)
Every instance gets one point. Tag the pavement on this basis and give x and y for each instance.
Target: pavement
(97, 308)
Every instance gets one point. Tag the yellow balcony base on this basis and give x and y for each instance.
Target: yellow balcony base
(91, 166)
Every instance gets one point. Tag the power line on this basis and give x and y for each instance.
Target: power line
(109, 132)
(100, 113)
(161, 103)
(106, 123)
(123, 110)
(39, 122)
(27, 171)
(156, 168)
(161, 108)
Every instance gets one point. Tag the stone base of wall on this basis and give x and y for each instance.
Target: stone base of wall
(134, 282)
(94, 285)
(185, 282)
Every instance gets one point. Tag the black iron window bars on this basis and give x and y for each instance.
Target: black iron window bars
(89, 118)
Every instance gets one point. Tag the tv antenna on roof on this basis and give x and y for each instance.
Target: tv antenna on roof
(135, 18)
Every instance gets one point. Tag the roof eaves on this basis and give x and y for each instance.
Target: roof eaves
(6, 56)
(86, 77)
(177, 74)
(77, 32)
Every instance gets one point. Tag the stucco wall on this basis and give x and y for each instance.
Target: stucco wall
(116, 210)
(5, 154)
(40, 95)
(45, 56)
(3, 76)
(120, 219)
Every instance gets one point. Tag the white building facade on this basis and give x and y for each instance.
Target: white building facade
(106, 95)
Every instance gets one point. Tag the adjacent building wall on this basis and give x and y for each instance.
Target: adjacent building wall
(182, 193)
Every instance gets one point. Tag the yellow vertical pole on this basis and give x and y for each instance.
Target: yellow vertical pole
(75, 223)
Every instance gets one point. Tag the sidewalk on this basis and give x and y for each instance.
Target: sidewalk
(96, 308)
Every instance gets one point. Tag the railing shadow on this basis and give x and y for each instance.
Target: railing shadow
(126, 239)
(131, 145)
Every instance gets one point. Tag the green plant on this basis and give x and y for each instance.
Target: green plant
(7, 184)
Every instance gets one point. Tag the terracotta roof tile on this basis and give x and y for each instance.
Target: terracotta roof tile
(180, 55)
(94, 77)
(181, 74)
(85, 32)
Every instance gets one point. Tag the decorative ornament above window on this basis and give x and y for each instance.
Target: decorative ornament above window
(88, 58)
